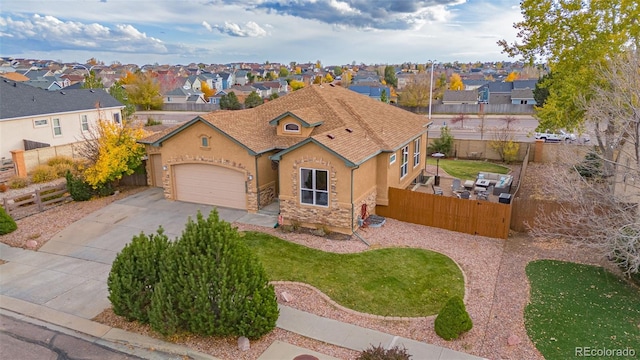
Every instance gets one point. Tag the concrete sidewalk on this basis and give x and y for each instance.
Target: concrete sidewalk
(65, 282)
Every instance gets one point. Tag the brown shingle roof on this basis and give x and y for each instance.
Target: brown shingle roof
(375, 126)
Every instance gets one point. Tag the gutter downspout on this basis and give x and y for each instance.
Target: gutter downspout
(257, 187)
(353, 229)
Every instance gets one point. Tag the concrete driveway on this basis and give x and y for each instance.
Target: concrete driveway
(69, 272)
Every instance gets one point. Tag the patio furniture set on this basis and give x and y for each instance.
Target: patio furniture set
(484, 185)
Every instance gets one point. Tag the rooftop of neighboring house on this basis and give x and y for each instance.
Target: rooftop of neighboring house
(20, 100)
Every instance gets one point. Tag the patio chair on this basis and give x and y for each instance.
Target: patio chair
(464, 195)
(483, 195)
(456, 186)
(437, 190)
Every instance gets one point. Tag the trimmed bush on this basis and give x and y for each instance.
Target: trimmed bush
(453, 319)
(61, 169)
(60, 159)
(134, 275)
(211, 284)
(18, 182)
(7, 224)
(78, 188)
(380, 353)
(43, 173)
(105, 190)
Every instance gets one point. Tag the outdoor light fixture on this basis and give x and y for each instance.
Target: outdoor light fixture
(438, 156)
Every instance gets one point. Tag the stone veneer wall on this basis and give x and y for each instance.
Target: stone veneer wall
(370, 200)
(267, 194)
(252, 197)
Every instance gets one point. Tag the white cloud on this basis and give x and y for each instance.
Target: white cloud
(250, 29)
(71, 34)
(207, 26)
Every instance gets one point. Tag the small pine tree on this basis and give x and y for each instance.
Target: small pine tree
(78, 188)
(134, 275)
(453, 319)
(7, 224)
(211, 284)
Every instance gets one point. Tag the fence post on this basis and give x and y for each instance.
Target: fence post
(6, 206)
(38, 200)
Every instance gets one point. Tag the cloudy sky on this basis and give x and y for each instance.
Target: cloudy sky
(221, 31)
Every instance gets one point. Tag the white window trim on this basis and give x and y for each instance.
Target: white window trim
(416, 152)
(404, 165)
(292, 131)
(392, 158)
(314, 185)
(54, 126)
(46, 123)
(84, 121)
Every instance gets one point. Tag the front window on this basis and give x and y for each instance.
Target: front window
(404, 167)
(84, 123)
(392, 158)
(205, 141)
(57, 128)
(416, 152)
(314, 189)
(116, 118)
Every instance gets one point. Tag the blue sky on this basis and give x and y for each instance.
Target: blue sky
(335, 32)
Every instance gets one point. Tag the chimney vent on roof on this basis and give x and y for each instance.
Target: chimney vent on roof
(15, 84)
(349, 130)
(331, 136)
(63, 93)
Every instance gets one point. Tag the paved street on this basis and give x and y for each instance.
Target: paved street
(25, 340)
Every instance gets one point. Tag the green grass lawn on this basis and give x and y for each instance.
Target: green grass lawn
(390, 282)
(577, 306)
(467, 169)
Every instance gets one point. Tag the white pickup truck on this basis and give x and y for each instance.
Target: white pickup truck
(560, 135)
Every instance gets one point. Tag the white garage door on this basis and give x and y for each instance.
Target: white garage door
(210, 184)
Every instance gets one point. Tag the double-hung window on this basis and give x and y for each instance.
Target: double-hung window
(57, 128)
(314, 189)
(416, 152)
(84, 123)
(404, 165)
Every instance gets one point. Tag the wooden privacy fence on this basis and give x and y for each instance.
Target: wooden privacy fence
(7, 171)
(475, 217)
(36, 201)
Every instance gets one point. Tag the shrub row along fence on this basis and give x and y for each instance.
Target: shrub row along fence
(34, 202)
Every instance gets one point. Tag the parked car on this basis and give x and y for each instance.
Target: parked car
(557, 136)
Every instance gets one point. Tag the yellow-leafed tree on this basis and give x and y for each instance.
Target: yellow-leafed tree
(207, 91)
(295, 85)
(455, 82)
(118, 153)
(512, 76)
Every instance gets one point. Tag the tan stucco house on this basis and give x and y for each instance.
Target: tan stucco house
(322, 151)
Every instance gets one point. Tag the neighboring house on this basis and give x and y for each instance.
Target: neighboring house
(240, 78)
(181, 95)
(498, 92)
(34, 117)
(372, 91)
(457, 97)
(14, 76)
(324, 152)
(522, 96)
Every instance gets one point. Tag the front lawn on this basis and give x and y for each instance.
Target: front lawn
(467, 169)
(574, 307)
(390, 282)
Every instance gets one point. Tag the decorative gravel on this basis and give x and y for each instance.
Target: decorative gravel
(497, 289)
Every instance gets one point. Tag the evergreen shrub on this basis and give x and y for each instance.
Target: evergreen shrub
(453, 319)
(211, 284)
(134, 275)
(7, 224)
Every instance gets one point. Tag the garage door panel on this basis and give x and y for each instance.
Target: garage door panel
(210, 184)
